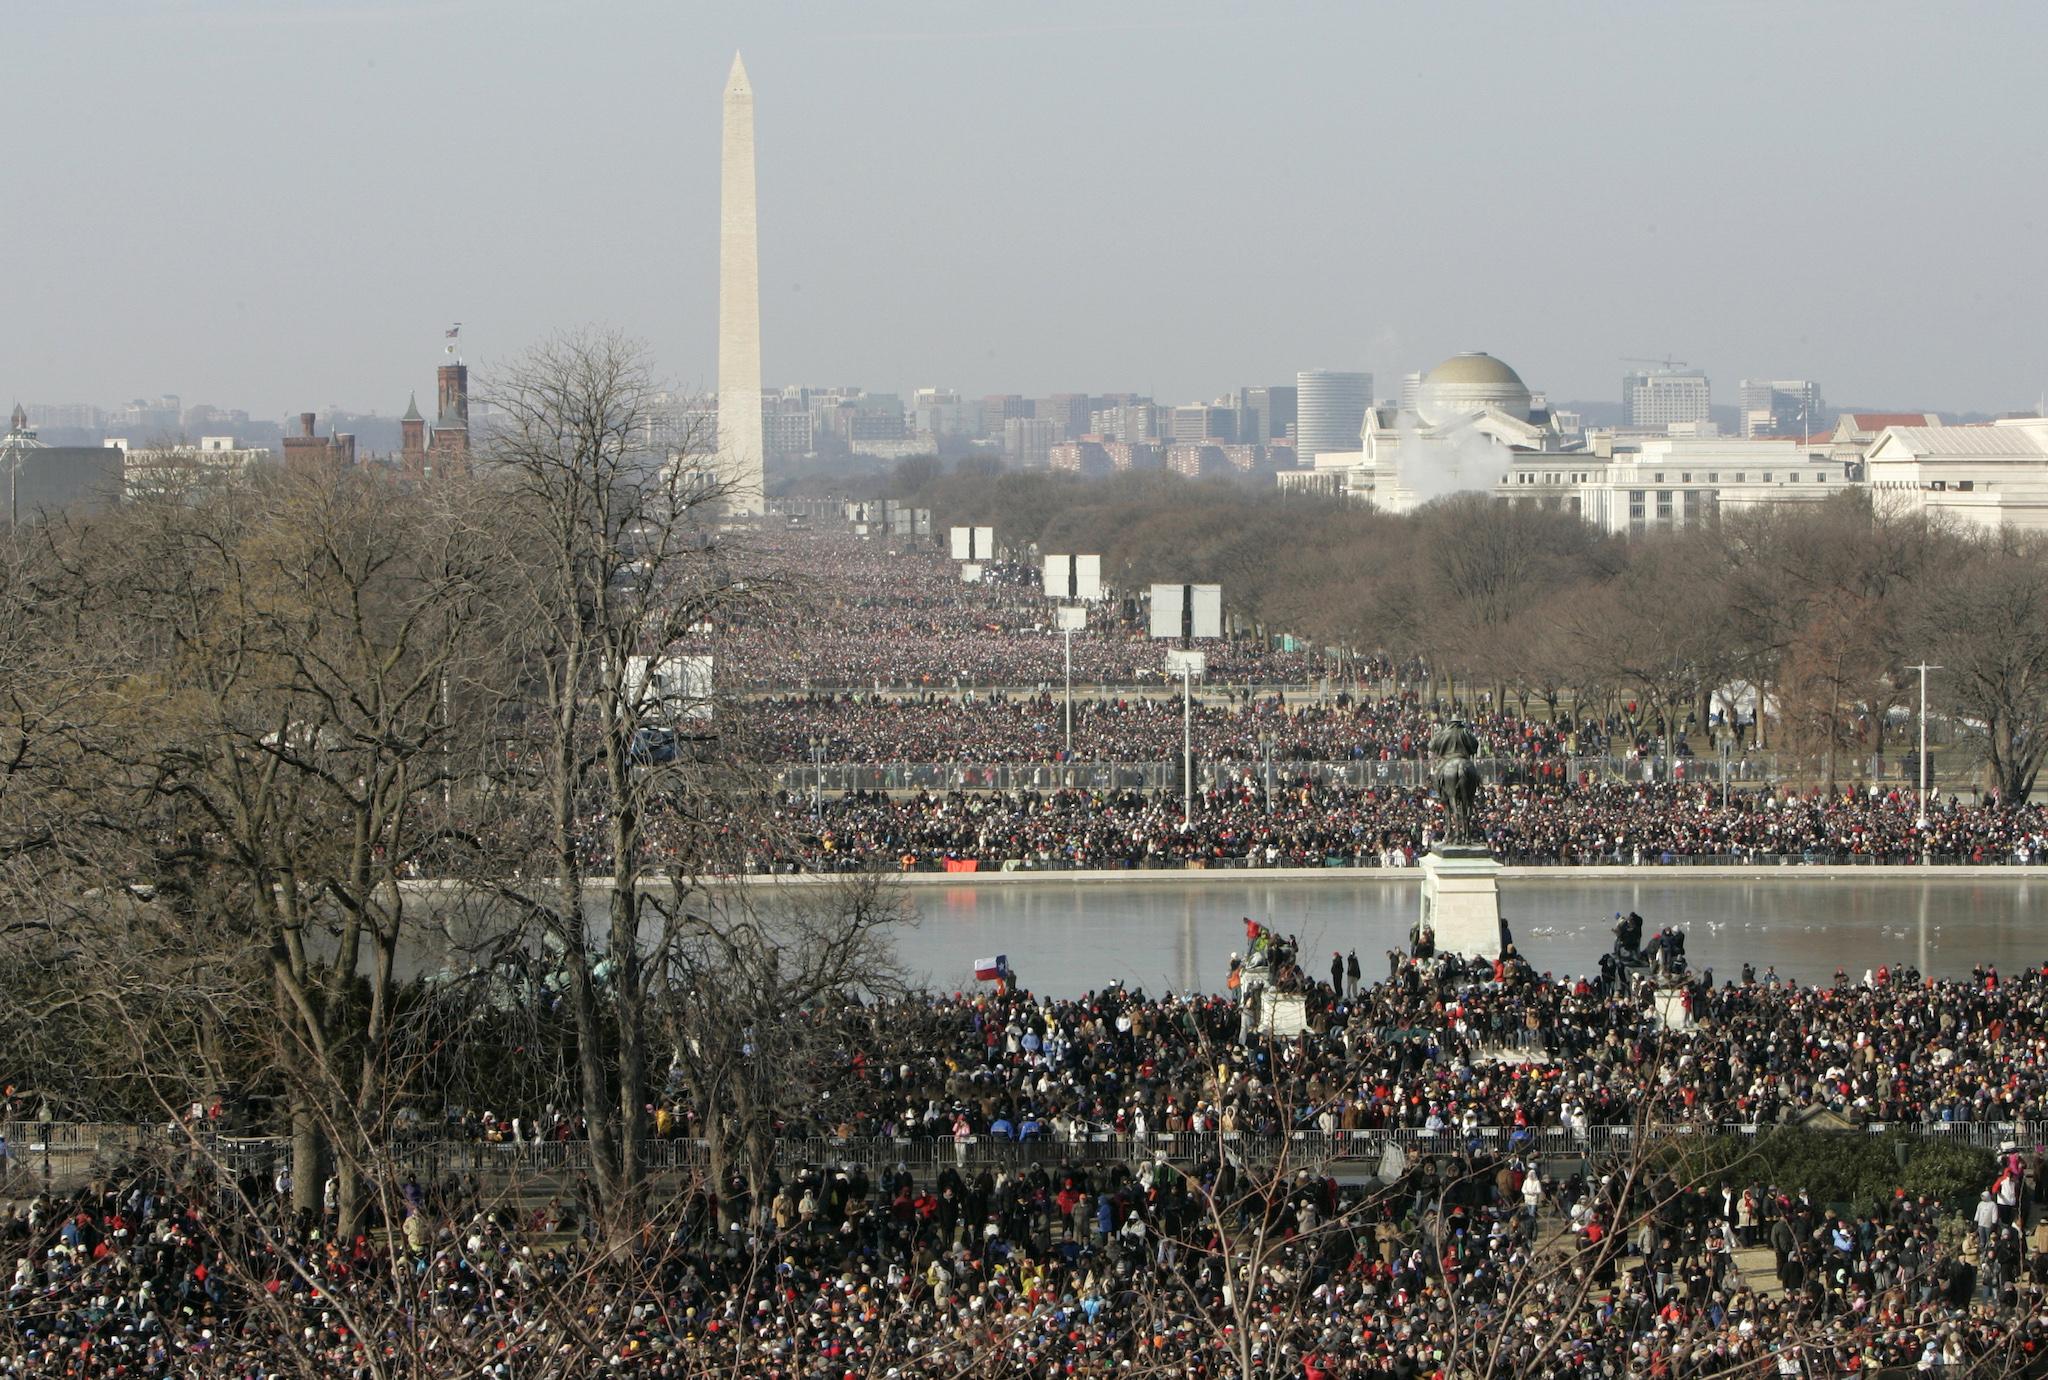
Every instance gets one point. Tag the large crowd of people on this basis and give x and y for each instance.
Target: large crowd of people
(835, 610)
(1208, 1252)
(869, 728)
(1237, 823)
(1477, 1259)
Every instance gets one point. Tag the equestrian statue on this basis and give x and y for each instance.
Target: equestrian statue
(1456, 777)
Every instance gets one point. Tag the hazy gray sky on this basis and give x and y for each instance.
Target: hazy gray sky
(279, 204)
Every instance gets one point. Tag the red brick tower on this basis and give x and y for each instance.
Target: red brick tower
(412, 431)
(451, 416)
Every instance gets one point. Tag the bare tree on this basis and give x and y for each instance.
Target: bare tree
(612, 560)
(758, 982)
(1980, 618)
(279, 738)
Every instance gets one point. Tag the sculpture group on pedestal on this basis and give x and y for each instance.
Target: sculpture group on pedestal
(1460, 886)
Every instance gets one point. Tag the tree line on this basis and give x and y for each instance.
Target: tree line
(1818, 611)
(244, 720)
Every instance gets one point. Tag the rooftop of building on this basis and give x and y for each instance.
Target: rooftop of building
(2019, 441)
(1474, 366)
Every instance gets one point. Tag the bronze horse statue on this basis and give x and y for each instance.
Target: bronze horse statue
(1456, 778)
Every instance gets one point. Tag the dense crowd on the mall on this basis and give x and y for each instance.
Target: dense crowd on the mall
(1480, 1258)
(1238, 823)
(831, 610)
(853, 728)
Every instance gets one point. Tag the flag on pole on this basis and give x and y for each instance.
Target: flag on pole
(989, 969)
(453, 331)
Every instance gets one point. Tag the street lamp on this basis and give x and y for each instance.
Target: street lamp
(1923, 668)
(1068, 731)
(817, 777)
(1187, 613)
(44, 1119)
(1071, 620)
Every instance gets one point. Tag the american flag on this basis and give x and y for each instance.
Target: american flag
(453, 331)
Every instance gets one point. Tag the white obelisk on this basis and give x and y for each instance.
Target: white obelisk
(739, 304)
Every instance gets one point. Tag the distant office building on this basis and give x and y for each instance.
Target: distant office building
(1265, 414)
(682, 424)
(1195, 460)
(1028, 442)
(868, 417)
(939, 412)
(1068, 411)
(1330, 411)
(1201, 422)
(151, 421)
(1131, 455)
(997, 409)
(67, 417)
(1665, 396)
(1780, 407)
(787, 428)
(1085, 456)
(1133, 422)
(204, 419)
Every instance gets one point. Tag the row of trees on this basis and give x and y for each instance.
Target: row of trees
(1818, 610)
(242, 720)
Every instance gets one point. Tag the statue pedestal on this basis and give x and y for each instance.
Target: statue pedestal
(1671, 1009)
(1283, 1016)
(1461, 900)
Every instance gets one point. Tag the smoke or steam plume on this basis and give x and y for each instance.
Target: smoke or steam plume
(1466, 458)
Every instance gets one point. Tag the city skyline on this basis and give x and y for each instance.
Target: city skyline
(893, 256)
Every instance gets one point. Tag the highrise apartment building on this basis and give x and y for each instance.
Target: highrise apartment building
(1203, 422)
(1028, 442)
(1781, 407)
(1265, 414)
(1133, 422)
(1665, 396)
(1067, 411)
(1329, 411)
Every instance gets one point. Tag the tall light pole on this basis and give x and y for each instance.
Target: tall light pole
(1187, 740)
(1923, 668)
(1070, 620)
(1266, 742)
(817, 778)
(1185, 613)
(45, 1119)
(1069, 633)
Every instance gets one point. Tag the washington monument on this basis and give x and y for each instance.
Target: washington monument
(739, 304)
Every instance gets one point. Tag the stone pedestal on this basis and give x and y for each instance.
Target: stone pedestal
(1670, 1002)
(1283, 1016)
(1461, 900)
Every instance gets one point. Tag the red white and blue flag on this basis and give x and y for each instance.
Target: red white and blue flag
(989, 969)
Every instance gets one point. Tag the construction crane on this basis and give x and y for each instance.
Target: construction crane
(1667, 364)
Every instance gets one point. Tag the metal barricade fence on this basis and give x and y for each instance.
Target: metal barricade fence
(804, 779)
(1312, 1149)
